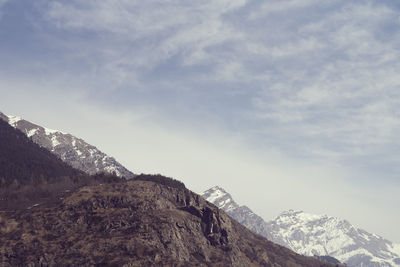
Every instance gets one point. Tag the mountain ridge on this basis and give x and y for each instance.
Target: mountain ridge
(311, 234)
(23, 162)
(70, 149)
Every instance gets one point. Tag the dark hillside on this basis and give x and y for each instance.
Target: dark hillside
(23, 162)
(136, 223)
(30, 174)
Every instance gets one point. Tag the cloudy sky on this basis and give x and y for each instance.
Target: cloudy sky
(289, 104)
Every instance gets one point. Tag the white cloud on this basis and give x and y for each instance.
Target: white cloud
(137, 37)
(325, 71)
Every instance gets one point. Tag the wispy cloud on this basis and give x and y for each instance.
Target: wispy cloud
(162, 29)
(327, 72)
(345, 91)
(2, 3)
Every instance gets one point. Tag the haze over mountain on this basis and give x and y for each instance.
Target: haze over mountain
(311, 234)
(70, 149)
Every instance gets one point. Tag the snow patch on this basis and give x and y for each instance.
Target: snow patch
(31, 132)
(12, 120)
(112, 169)
(395, 249)
(54, 141)
(50, 131)
(92, 152)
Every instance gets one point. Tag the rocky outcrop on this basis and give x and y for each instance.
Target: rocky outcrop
(136, 223)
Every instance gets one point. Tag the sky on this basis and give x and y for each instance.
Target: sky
(289, 104)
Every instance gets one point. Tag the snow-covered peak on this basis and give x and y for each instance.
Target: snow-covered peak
(223, 200)
(13, 121)
(215, 193)
(312, 234)
(219, 197)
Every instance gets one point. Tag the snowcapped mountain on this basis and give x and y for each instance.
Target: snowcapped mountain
(310, 234)
(72, 150)
(223, 200)
(220, 198)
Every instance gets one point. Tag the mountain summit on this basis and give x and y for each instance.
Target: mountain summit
(70, 149)
(223, 200)
(311, 234)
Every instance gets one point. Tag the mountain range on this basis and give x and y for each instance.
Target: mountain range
(148, 220)
(49, 163)
(311, 234)
(70, 149)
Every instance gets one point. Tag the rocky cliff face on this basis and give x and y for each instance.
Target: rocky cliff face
(136, 223)
(311, 234)
(70, 149)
